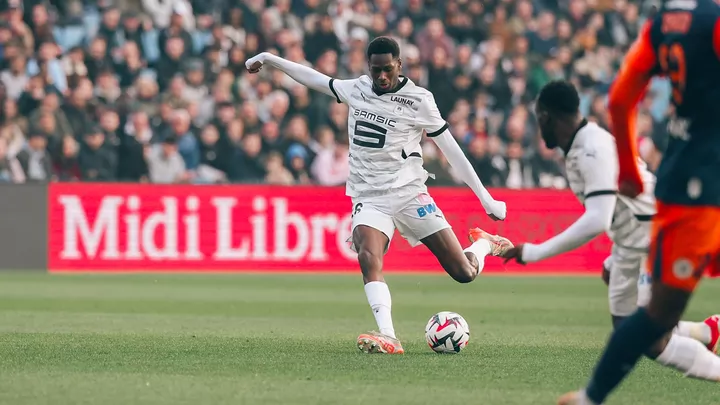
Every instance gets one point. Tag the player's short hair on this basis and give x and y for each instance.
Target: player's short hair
(560, 96)
(382, 46)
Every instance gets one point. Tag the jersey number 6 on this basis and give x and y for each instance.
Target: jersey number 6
(374, 135)
(672, 62)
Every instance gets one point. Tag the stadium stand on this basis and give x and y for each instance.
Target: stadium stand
(156, 90)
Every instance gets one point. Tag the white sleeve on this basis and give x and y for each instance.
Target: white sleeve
(456, 157)
(302, 74)
(429, 117)
(430, 120)
(596, 220)
(341, 89)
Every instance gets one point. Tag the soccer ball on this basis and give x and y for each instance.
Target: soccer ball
(447, 332)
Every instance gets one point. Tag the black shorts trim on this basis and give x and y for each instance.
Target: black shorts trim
(600, 192)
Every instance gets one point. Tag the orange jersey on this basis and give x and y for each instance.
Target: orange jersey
(682, 43)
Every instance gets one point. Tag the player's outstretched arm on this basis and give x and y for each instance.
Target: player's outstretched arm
(596, 220)
(457, 159)
(304, 75)
(626, 92)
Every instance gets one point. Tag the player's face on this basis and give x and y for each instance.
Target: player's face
(384, 71)
(546, 128)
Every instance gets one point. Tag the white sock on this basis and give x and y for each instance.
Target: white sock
(696, 330)
(378, 295)
(480, 248)
(691, 357)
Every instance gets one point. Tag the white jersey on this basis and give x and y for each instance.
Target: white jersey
(592, 169)
(385, 133)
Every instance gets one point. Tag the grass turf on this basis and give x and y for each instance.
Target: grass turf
(290, 339)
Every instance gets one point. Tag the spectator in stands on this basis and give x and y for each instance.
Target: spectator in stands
(97, 163)
(14, 127)
(73, 63)
(216, 157)
(250, 167)
(97, 58)
(150, 61)
(277, 174)
(33, 95)
(107, 89)
(47, 64)
(490, 170)
(131, 65)
(78, 107)
(545, 169)
(134, 141)
(195, 89)
(110, 125)
(165, 165)
(331, 165)
(34, 160)
(15, 79)
(66, 166)
(9, 166)
(187, 142)
(50, 105)
(19, 29)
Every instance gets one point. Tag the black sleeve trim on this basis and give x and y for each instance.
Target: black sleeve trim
(644, 218)
(600, 192)
(332, 88)
(438, 132)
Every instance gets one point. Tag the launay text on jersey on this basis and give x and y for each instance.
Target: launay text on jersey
(402, 100)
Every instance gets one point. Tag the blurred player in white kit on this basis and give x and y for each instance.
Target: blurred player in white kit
(388, 115)
(591, 163)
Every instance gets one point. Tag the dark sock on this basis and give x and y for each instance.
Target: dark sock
(631, 339)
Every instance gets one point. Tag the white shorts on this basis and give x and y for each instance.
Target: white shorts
(629, 286)
(413, 213)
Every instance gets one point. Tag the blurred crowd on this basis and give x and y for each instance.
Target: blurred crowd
(156, 90)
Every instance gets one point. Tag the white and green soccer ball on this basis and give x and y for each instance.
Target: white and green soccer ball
(447, 332)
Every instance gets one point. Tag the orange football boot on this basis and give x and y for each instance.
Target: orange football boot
(574, 398)
(498, 244)
(374, 342)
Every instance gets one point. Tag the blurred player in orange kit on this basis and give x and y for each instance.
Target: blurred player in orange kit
(682, 42)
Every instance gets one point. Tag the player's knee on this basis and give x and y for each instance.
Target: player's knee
(462, 272)
(370, 262)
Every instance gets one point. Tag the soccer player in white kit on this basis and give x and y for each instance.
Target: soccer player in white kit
(388, 115)
(591, 163)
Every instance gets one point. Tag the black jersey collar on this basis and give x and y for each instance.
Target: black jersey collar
(402, 84)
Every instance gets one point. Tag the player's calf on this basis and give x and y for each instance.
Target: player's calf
(370, 265)
(457, 263)
(370, 244)
(667, 305)
(463, 271)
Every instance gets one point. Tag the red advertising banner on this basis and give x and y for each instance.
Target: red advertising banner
(134, 227)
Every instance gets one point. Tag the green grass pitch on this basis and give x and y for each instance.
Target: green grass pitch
(290, 339)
